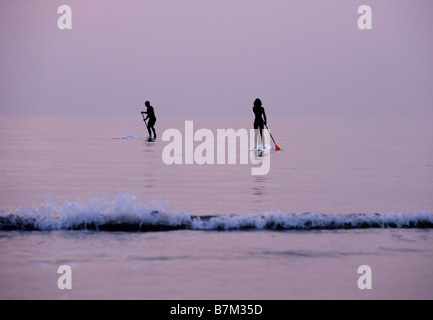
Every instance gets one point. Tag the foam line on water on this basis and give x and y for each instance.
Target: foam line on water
(127, 213)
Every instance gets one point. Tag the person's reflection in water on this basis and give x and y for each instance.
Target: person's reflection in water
(259, 188)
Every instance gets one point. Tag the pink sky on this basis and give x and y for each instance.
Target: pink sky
(202, 57)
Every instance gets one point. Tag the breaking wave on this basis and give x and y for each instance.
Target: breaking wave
(126, 213)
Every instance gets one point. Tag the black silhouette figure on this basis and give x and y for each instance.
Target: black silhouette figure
(259, 122)
(152, 119)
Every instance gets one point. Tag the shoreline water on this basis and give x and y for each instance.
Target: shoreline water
(331, 171)
(228, 265)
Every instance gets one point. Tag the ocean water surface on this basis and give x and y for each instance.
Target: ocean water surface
(92, 194)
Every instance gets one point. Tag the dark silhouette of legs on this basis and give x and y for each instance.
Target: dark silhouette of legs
(257, 126)
(151, 128)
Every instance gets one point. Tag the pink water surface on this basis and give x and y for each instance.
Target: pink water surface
(326, 166)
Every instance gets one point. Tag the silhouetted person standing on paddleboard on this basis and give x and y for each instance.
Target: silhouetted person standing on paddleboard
(152, 119)
(259, 122)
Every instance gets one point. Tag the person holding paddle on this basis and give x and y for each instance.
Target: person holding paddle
(152, 119)
(259, 121)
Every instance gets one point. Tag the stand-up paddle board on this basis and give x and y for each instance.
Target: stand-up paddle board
(132, 137)
(136, 138)
(260, 148)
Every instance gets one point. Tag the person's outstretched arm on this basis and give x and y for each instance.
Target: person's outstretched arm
(264, 115)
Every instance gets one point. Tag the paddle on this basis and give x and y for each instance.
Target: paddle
(276, 147)
(144, 119)
(142, 113)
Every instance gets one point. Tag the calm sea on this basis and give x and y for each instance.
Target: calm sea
(90, 193)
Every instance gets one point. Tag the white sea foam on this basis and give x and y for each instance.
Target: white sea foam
(127, 213)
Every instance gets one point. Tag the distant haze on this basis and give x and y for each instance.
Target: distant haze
(213, 58)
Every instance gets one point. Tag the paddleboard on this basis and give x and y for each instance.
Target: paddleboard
(260, 148)
(132, 137)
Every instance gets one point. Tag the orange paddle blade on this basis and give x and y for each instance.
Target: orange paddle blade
(277, 148)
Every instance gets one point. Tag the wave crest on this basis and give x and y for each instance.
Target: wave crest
(126, 213)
